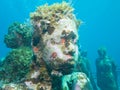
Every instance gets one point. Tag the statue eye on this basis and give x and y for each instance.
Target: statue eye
(36, 40)
(73, 36)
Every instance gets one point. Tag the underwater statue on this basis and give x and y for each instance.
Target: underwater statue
(55, 48)
(55, 51)
(106, 71)
(54, 43)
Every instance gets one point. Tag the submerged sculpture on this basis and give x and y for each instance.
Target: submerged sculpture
(55, 51)
(55, 30)
(54, 41)
(106, 71)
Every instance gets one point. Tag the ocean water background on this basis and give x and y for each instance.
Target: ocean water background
(101, 23)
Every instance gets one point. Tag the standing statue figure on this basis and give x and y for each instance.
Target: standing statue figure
(106, 71)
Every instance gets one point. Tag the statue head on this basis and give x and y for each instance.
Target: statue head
(55, 35)
(102, 52)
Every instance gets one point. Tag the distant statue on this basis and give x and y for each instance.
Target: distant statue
(106, 71)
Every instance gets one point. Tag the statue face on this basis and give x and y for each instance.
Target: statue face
(60, 44)
(102, 52)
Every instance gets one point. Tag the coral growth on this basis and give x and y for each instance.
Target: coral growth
(16, 65)
(18, 35)
(51, 14)
(76, 81)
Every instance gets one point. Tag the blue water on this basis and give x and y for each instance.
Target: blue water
(101, 23)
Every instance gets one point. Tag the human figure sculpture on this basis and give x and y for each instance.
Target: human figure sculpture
(55, 50)
(106, 71)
